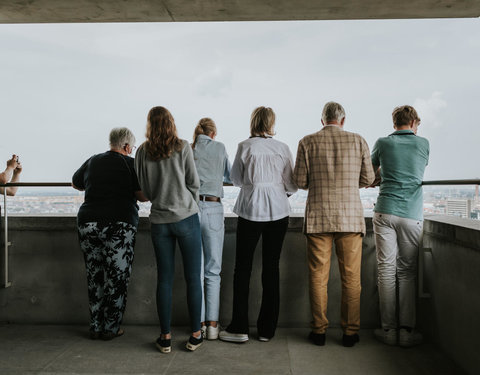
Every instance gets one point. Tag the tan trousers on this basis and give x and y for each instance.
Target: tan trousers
(349, 253)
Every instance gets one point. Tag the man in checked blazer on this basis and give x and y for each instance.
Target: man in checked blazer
(332, 164)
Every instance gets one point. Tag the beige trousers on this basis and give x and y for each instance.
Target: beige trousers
(349, 253)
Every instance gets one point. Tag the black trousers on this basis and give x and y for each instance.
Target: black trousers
(248, 234)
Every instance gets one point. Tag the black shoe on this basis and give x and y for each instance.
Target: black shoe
(164, 345)
(194, 342)
(317, 338)
(107, 336)
(349, 340)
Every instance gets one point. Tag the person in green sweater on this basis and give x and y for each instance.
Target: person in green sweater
(400, 160)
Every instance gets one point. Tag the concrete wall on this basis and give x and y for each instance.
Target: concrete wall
(49, 284)
(450, 317)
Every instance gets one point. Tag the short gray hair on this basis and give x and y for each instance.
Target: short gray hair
(120, 137)
(332, 112)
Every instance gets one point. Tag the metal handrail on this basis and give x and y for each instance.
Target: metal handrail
(36, 184)
(452, 182)
(6, 282)
(59, 184)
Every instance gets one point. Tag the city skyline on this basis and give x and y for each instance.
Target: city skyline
(461, 201)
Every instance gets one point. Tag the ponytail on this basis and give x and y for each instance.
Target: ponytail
(205, 126)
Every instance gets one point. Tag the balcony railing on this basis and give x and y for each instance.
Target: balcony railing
(452, 182)
(6, 282)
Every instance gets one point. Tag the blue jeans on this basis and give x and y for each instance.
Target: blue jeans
(213, 231)
(164, 238)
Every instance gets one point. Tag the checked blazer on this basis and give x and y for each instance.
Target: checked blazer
(332, 164)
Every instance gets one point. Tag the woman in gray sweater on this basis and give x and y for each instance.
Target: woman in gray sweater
(166, 172)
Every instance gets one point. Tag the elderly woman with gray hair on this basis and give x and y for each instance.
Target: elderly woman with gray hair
(107, 225)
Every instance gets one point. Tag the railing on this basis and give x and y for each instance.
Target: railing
(452, 182)
(424, 252)
(7, 283)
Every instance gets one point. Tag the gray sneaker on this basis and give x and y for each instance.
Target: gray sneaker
(232, 337)
(388, 336)
(408, 339)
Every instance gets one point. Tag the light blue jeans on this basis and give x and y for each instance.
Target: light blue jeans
(213, 231)
(397, 240)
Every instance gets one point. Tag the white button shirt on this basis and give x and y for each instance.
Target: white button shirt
(263, 169)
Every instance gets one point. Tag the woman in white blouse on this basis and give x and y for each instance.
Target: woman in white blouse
(263, 170)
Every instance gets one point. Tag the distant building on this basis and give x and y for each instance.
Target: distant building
(459, 207)
(475, 214)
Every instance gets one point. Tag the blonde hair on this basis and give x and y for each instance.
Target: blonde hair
(162, 139)
(403, 115)
(262, 122)
(332, 111)
(205, 126)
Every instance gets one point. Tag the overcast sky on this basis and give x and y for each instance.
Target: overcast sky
(64, 86)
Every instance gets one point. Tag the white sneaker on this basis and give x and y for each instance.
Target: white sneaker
(388, 336)
(203, 329)
(409, 339)
(233, 337)
(212, 332)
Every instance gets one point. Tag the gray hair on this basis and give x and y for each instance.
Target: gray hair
(120, 137)
(332, 112)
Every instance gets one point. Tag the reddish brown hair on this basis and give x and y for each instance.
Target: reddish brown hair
(162, 138)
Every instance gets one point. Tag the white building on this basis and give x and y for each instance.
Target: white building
(459, 207)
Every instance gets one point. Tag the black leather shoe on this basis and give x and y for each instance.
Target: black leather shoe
(94, 335)
(107, 336)
(349, 340)
(317, 338)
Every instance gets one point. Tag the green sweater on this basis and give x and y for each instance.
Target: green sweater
(171, 184)
(402, 157)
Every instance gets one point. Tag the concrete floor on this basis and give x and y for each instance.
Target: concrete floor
(41, 349)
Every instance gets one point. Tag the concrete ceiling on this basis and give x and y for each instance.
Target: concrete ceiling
(53, 11)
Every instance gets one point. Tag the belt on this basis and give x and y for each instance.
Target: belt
(208, 198)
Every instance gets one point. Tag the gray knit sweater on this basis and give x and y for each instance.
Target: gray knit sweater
(171, 184)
